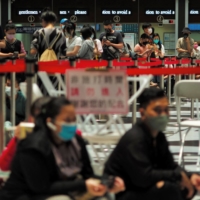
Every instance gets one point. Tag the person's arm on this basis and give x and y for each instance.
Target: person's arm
(74, 52)
(139, 168)
(35, 43)
(7, 155)
(189, 49)
(178, 47)
(22, 53)
(5, 55)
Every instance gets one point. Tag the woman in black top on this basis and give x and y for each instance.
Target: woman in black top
(52, 160)
(12, 45)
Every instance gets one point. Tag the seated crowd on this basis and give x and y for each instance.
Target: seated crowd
(53, 160)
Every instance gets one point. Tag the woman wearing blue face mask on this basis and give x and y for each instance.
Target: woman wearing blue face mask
(159, 48)
(52, 160)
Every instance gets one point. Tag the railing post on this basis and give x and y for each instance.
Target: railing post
(178, 77)
(72, 61)
(162, 76)
(134, 108)
(30, 72)
(2, 108)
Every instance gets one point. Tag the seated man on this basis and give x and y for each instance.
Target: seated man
(143, 160)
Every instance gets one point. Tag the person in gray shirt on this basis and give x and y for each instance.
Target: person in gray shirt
(87, 49)
(185, 44)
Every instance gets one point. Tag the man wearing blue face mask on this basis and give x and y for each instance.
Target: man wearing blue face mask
(19, 99)
(143, 160)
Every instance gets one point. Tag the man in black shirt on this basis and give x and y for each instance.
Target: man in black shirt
(143, 160)
(110, 38)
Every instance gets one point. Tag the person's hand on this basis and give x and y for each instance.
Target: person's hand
(107, 42)
(2, 44)
(17, 132)
(118, 186)
(195, 180)
(95, 188)
(186, 183)
(10, 54)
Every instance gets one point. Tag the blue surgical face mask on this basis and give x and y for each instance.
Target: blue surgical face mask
(156, 41)
(63, 26)
(68, 131)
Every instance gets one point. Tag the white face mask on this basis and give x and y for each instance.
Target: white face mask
(63, 26)
(150, 30)
(8, 91)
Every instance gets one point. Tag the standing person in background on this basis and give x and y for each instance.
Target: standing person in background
(185, 44)
(9, 21)
(13, 46)
(126, 51)
(98, 50)
(87, 49)
(73, 42)
(159, 48)
(20, 99)
(110, 39)
(48, 34)
(147, 28)
(63, 23)
(142, 47)
(196, 51)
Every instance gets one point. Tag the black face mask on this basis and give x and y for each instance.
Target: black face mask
(185, 35)
(107, 30)
(145, 43)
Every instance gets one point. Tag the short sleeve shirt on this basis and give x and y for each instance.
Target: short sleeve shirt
(183, 45)
(72, 43)
(115, 38)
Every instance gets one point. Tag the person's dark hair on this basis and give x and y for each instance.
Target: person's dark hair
(146, 25)
(123, 35)
(86, 32)
(70, 26)
(48, 16)
(144, 36)
(10, 27)
(107, 22)
(50, 109)
(150, 94)
(37, 105)
(9, 21)
(159, 43)
(20, 77)
(93, 31)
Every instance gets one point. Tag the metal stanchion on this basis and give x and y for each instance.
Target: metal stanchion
(30, 72)
(110, 63)
(134, 108)
(72, 61)
(13, 95)
(192, 76)
(178, 77)
(2, 108)
(162, 76)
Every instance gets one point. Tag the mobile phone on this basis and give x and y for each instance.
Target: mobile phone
(108, 181)
(16, 53)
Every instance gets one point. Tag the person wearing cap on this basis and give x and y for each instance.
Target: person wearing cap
(185, 44)
(63, 23)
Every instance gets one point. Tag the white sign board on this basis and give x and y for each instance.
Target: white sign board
(98, 92)
(118, 28)
(130, 39)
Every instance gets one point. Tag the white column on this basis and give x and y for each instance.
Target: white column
(9, 9)
(186, 12)
(177, 21)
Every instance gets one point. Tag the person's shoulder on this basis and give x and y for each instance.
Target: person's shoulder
(78, 39)
(102, 34)
(133, 136)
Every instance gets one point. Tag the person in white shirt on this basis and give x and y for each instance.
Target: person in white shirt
(196, 51)
(73, 42)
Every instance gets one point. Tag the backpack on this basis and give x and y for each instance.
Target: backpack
(49, 53)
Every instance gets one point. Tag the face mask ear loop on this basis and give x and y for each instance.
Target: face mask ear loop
(51, 126)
